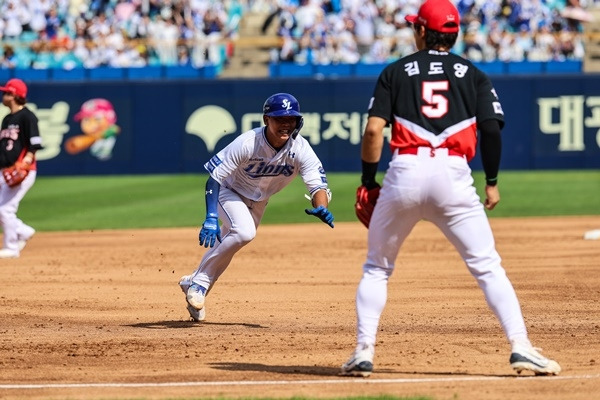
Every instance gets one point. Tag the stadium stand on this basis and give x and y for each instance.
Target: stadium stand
(155, 39)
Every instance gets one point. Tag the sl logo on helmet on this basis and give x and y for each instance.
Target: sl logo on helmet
(286, 104)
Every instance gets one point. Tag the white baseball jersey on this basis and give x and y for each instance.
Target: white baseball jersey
(254, 169)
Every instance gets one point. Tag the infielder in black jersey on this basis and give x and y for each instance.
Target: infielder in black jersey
(436, 102)
(19, 140)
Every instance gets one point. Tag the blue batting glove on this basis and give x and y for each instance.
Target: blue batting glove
(210, 232)
(322, 213)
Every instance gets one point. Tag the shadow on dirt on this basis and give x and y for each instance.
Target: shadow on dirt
(442, 373)
(332, 371)
(189, 324)
(278, 369)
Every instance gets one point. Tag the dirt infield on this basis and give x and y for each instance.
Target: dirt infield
(90, 315)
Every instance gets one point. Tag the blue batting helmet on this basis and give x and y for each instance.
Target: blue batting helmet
(284, 105)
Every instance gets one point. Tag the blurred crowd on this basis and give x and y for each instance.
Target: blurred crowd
(374, 31)
(129, 33)
(116, 33)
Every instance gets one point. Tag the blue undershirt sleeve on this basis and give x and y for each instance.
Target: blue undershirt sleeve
(212, 197)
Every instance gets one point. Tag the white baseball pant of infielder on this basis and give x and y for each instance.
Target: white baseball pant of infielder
(16, 232)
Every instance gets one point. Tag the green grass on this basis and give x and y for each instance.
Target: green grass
(152, 201)
(547, 193)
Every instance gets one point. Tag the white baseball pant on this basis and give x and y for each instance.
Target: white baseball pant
(438, 188)
(240, 218)
(14, 229)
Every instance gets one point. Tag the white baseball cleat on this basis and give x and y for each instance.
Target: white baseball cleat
(528, 358)
(24, 238)
(8, 253)
(195, 296)
(184, 283)
(360, 362)
(195, 314)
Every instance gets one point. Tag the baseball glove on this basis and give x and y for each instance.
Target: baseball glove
(15, 174)
(365, 203)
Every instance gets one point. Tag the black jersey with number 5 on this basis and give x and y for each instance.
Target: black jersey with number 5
(435, 99)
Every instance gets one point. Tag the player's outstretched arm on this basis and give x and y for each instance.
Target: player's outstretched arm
(322, 213)
(210, 231)
(320, 201)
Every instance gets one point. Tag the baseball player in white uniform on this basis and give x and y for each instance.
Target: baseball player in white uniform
(243, 176)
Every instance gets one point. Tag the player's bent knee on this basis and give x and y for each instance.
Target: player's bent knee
(484, 272)
(243, 237)
(483, 265)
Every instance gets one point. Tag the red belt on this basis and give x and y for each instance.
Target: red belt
(415, 150)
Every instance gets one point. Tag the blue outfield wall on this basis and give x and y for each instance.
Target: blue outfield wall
(175, 126)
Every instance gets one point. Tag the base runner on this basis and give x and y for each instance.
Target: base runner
(243, 176)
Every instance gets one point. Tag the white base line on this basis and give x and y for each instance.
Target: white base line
(300, 382)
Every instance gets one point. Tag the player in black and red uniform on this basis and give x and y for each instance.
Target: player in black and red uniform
(435, 102)
(19, 140)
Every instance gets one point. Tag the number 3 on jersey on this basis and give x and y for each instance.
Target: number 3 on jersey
(437, 104)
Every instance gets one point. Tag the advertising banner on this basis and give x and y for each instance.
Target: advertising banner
(141, 127)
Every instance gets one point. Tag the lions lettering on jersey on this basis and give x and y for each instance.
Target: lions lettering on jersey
(252, 168)
(262, 168)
